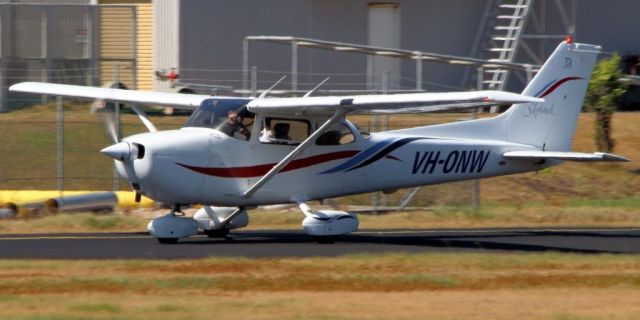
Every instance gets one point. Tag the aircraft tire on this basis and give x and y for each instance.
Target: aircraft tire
(325, 239)
(220, 233)
(168, 240)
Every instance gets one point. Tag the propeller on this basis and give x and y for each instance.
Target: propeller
(106, 113)
(120, 150)
(109, 120)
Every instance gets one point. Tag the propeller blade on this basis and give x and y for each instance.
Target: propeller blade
(108, 118)
(104, 110)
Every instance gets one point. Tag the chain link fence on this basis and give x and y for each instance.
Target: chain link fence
(64, 43)
(30, 156)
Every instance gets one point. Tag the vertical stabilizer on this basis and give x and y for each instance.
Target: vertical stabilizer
(562, 82)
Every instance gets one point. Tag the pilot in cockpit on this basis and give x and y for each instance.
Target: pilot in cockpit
(233, 126)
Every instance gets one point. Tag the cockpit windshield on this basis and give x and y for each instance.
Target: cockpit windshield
(230, 116)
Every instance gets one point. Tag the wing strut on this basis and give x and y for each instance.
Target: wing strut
(339, 113)
(143, 117)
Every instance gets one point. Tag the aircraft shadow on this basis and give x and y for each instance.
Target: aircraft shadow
(439, 242)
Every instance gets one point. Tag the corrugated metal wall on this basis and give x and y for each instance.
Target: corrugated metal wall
(144, 43)
(126, 39)
(211, 34)
(166, 45)
(117, 47)
(52, 43)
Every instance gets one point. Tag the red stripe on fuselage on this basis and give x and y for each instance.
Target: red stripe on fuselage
(260, 170)
(557, 84)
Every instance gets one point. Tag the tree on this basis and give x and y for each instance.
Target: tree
(603, 95)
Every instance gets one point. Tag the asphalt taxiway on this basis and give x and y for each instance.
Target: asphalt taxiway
(278, 243)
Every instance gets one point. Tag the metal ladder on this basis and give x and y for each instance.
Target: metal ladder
(503, 22)
(505, 38)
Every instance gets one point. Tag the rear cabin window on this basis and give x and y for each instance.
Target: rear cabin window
(284, 131)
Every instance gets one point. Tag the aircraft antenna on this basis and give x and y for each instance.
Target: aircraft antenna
(316, 87)
(264, 94)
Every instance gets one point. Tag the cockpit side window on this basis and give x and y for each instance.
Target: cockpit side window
(229, 116)
(337, 134)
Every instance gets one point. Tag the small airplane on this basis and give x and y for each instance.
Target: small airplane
(234, 154)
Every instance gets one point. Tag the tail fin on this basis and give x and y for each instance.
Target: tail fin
(562, 82)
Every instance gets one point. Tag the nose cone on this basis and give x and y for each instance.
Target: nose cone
(120, 151)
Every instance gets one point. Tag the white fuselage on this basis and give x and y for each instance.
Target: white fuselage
(200, 165)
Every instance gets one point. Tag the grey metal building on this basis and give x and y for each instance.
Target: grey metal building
(203, 39)
(74, 41)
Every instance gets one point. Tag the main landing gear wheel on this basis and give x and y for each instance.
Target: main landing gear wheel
(219, 233)
(170, 228)
(326, 239)
(168, 240)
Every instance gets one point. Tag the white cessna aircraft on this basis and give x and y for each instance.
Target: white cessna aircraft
(237, 153)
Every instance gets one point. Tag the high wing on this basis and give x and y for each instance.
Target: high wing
(175, 100)
(566, 156)
(388, 103)
(393, 103)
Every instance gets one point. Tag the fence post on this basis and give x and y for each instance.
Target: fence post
(254, 81)
(44, 47)
(60, 145)
(4, 90)
(475, 183)
(116, 119)
(245, 64)
(134, 49)
(384, 199)
(93, 46)
(419, 72)
(294, 67)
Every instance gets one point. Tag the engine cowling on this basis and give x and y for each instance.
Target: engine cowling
(210, 218)
(330, 223)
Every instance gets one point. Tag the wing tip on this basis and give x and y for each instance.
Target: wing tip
(24, 86)
(610, 157)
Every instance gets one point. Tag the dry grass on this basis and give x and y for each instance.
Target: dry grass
(441, 286)
(552, 304)
(575, 213)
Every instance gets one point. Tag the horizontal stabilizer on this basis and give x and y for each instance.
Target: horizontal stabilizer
(176, 100)
(567, 156)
